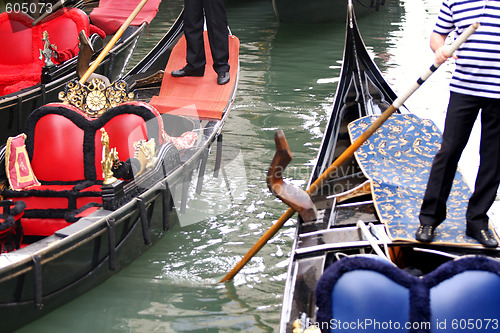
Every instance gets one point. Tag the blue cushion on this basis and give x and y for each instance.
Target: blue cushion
(364, 290)
(366, 293)
(466, 293)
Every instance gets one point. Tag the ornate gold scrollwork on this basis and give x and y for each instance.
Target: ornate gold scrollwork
(95, 98)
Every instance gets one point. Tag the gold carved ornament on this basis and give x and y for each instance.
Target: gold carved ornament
(109, 159)
(145, 152)
(95, 98)
(299, 327)
(49, 50)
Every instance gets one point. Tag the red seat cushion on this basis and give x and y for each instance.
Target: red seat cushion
(22, 65)
(52, 207)
(56, 197)
(63, 28)
(42, 227)
(123, 130)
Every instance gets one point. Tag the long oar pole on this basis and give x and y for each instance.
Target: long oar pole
(318, 183)
(112, 42)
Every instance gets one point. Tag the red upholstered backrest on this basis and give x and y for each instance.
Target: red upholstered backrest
(64, 28)
(58, 152)
(65, 146)
(16, 34)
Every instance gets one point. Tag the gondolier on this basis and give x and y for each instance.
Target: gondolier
(475, 86)
(216, 19)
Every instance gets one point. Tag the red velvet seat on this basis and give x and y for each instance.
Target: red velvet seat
(110, 14)
(65, 150)
(20, 66)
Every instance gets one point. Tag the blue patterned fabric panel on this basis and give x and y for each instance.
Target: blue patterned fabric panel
(398, 158)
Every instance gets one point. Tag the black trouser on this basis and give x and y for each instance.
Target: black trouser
(215, 12)
(462, 112)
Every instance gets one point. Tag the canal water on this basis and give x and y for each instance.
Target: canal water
(288, 78)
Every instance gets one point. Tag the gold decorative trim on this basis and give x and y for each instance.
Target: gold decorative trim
(4, 184)
(95, 98)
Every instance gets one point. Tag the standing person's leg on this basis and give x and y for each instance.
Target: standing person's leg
(218, 32)
(488, 176)
(193, 31)
(461, 114)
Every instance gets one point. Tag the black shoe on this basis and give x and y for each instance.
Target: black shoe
(483, 236)
(222, 78)
(425, 233)
(188, 72)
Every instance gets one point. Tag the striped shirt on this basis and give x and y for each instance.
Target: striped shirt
(477, 70)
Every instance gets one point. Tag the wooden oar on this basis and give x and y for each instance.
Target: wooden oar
(318, 183)
(112, 42)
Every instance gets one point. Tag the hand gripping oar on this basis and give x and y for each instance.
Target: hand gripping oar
(112, 42)
(318, 183)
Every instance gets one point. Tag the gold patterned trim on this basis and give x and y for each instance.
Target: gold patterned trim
(95, 98)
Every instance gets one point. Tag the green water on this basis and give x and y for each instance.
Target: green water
(288, 78)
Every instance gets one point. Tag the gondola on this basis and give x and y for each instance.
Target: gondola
(321, 11)
(28, 82)
(355, 265)
(112, 184)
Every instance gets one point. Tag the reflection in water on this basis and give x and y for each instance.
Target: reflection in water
(288, 78)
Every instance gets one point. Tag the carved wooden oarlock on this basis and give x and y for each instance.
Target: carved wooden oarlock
(293, 196)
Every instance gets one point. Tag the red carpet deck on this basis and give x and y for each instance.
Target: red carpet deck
(199, 97)
(397, 159)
